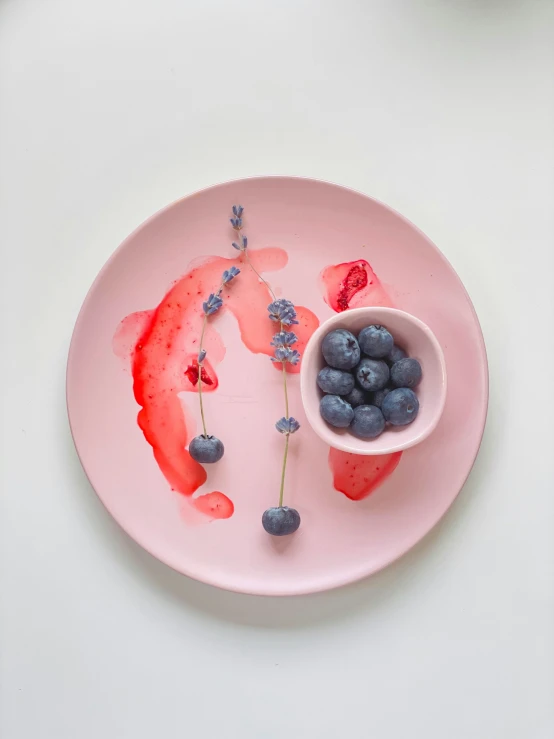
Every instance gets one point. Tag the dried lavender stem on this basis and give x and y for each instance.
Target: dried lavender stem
(204, 324)
(285, 388)
(200, 365)
(282, 490)
(266, 283)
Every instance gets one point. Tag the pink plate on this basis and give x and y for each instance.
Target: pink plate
(132, 387)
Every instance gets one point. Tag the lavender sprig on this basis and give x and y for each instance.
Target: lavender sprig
(283, 312)
(209, 307)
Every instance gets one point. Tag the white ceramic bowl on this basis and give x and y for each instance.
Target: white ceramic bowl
(418, 341)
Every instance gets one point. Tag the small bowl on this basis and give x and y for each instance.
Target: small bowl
(418, 341)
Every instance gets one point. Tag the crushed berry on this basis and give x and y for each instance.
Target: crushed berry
(192, 373)
(355, 280)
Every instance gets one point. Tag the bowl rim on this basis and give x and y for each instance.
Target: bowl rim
(335, 440)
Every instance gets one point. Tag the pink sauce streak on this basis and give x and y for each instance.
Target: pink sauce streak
(162, 346)
(353, 285)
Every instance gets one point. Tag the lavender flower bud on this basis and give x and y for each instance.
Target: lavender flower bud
(230, 274)
(286, 354)
(212, 304)
(282, 310)
(287, 425)
(284, 338)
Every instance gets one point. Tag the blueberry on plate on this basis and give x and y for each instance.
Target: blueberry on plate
(206, 449)
(336, 411)
(281, 521)
(335, 381)
(368, 422)
(375, 341)
(356, 397)
(400, 407)
(406, 373)
(372, 374)
(340, 349)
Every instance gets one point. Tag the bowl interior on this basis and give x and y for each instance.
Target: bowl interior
(418, 341)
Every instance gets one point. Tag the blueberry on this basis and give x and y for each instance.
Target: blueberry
(340, 349)
(356, 397)
(335, 381)
(396, 354)
(336, 411)
(206, 449)
(281, 521)
(375, 341)
(406, 373)
(400, 407)
(372, 374)
(368, 422)
(379, 396)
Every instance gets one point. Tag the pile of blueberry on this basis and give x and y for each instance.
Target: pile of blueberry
(368, 382)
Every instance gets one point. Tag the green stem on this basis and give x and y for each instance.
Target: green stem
(285, 389)
(200, 375)
(247, 257)
(282, 490)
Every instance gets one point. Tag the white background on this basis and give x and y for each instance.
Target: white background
(109, 110)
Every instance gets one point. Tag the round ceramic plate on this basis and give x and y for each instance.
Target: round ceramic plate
(132, 387)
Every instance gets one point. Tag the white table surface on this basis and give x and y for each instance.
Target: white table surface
(109, 110)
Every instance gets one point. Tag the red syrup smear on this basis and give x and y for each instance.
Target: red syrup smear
(354, 285)
(163, 347)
